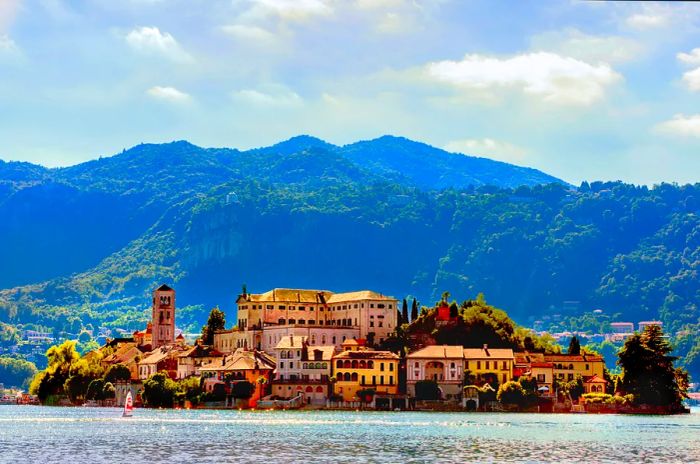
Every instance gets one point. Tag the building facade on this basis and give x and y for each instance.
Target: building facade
(357, 368)
(441, 363)
(302, 369)
(489, 364)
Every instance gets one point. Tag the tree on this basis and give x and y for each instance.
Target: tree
(159, 391)
(511, 393)
(16, 372)
(574, 346)
(95, 390)
(216, 321)
(242, 390)
(414, 310)
(399, 320)
(575, 388)
(51, 381)
(117, 372)
(427, 390)
(648, 371)
(404, 312)
(109, 392)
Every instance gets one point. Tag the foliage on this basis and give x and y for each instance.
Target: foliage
(189, 389)
(648, 371)
(159, 391)
(366, 395)
(16, 372)
(51, 381)
(511, 392)
(242, 389)
(96, 390)
(216, 321)
(117, 372)
(574, 388)
(574, 346)
(427, 390)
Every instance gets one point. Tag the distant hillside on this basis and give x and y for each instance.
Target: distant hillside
(87, 243)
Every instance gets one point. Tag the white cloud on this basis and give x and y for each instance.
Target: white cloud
(552, 77)
(270, 95)
(151, 41)
(688, 126)
(245, 32)
(489, 148)
(291, 10)
(170, 94)
(690, 58)
(645, 21)
(588, 48)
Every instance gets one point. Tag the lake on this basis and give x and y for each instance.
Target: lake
(99, 435)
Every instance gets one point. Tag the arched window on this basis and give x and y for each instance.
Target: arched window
(318, 365)
(363, 364)
(347, 364)
(571, 366)
(324, 366)
(323, 339)
(346, 377)
(339, 364)
(306, 366)
(311, 322)
(370, 364)
(281, 321)
(309, 389)
(319, 389)
(452, 365)
(353, 377)
(292, 321)
(354, 364)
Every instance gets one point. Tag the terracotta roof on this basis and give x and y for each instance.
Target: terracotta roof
(164, 288)
(594, 379)
(294, 295)
(572, 358)
(541, 364)
(356, 296)
(159, 354)
(125, 354)
(350, 342)
(291, 341)
(327, 352)
(200, 351)
(179, 337)
(524, 357)
(492, 353)
(439, 352)
(366, 354)
(242, 360)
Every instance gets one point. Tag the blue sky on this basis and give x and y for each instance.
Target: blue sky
(581, 90)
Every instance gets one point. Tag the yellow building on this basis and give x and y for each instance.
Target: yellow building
(567, 367)
(357, 368)
(487, 364)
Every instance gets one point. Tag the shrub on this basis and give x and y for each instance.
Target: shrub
(427, 390)
(511, 393)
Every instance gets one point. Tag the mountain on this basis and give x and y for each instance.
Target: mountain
(87, 243)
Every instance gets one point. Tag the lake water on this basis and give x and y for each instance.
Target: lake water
(42, 435)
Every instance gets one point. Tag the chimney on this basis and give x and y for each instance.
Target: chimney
(486, 349)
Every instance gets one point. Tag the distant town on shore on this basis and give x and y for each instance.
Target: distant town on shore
(298, 348)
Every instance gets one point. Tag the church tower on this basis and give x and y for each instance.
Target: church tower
(163, 317)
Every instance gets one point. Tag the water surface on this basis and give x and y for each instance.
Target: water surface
(99, 435)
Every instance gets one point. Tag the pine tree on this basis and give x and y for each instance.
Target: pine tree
(648, 372)
(404, 312)
(216, 321)
(574, 346)
(414, 310)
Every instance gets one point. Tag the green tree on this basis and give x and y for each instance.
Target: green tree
(216, 321)
(404, 312)
(427, 390)
(648, 371)
(95, 390)
(117, 372)
(109, 392)
(159, 391)
(511, 392)
(16, 372)
(242, 390)
(51, 381)
(574, 346)
(414, 310)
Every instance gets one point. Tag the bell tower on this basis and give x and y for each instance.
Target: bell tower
(163, 316)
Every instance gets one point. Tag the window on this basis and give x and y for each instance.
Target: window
(371, 305)
(417, 365)
(302, 308)
(380, 324)
(374, 380)
(371, 323)
(381, 380)
(478, 364)
(339, 364)
(540, 378)
(291, 365)
(391, 380)
(282, 365)
(504, 366)
(270, 307)
(588, 367)
(505, 378)
(380, 305)
(281, 307)
(487, 365)
(363, 380)
(355, 305)
(570, 377)
(391, 306)
(302, 321)
(391, 367)
(280, 321)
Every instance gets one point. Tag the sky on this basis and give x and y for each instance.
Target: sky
(581, 90)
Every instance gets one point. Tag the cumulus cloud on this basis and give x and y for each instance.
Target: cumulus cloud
(692, 77)
(291, 10)
(7, 45)
(151, 41)
(688, 126)
(170, 94)
(270, 95)
(690, 58)
(588, 48)
(246, 32)
(647, 20)
(489, 148)
(549, 76)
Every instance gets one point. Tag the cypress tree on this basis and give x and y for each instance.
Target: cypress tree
(404, 312)
(574, 346)
(414, 310)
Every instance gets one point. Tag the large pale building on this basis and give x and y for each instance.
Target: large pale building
(364, 314)
(302, 369)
